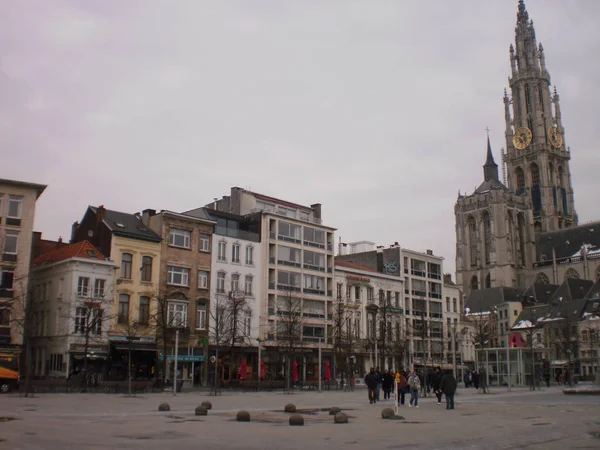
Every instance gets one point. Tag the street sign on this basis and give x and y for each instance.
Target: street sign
(183, 358)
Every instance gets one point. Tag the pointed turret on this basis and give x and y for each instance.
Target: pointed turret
(490, 168)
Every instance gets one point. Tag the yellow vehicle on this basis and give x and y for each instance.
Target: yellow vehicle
(9, 372)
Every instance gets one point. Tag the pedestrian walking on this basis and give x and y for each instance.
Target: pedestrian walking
(371, 382)
(387, 384)
(414, 384)
(402, 387)
(448, 387)
(379, 377)
(436, 379)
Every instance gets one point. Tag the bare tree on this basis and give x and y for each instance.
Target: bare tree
(289, 329)
(564, 338)
(345, 336)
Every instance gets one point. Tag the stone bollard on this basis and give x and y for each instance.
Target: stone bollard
(201, 411)
(164, 407)
(206, 404)
(290, 408)
(243, 416)
(296, 420)
(387, 413)
(340, 418)
(334, 410)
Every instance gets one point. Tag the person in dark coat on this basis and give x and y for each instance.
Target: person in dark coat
(448, 387)
(371, 381)
(436, 379)
(386, 384)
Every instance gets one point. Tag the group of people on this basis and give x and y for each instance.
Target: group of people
(476, 379)
(442, 382)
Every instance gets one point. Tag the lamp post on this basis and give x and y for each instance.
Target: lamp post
(320, 359)
(259, 361)
(175, 364)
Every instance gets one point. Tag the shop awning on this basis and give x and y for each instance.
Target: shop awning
(81, 355)
(136, 347)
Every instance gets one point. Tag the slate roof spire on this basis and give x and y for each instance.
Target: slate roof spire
(490, 168)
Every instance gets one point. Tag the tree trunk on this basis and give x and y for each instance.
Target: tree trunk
(27, 367)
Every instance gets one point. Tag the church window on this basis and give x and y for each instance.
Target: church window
(487, 236)
(472, 227)
(560, 176)
(474, 283)
(527, 100)
(488, 281)
(535, 175)
(520, 175)
(542, 278)
(537, 227)
(521, 239)
(509, 236)
(551, 173)
(572, 273)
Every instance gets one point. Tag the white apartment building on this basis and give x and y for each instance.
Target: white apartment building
(296, 262)
(375, 331)
(72, 300)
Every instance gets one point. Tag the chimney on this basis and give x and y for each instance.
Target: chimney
(100, 214)
(316, 209)
(342, 248)
(60, 239)
(429, 252)
(215, 203)
(380, 258)
(447, 278)
(74, 229)
(146, 214)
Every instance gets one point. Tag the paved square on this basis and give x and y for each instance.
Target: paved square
(500, 420)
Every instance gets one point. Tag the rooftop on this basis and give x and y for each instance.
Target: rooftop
(351, 265)
(126, 224)
(39, 188)
(83, 249)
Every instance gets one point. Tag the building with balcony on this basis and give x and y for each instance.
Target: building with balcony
(71, 311)
(369, 325)
(125, 239)
(17, 213)
(297, 264)
(184, 289)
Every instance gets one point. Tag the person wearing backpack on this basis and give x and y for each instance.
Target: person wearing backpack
(414, 384)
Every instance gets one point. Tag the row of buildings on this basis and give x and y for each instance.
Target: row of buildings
(244, 271)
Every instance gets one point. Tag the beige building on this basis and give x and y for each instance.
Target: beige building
(136, 252)
(184, 284)
(17, 213)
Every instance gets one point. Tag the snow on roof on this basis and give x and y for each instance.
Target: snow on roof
(588, 249)
(522, 325)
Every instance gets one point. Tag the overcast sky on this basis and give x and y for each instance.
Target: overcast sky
(376, 109)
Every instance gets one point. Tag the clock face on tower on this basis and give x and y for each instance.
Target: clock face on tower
(555, 137)
(522, 138)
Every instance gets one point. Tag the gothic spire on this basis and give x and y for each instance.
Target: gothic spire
(490, 168)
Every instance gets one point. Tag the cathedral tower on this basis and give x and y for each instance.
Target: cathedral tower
(537, 158)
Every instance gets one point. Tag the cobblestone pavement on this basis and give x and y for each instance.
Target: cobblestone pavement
(521, 419)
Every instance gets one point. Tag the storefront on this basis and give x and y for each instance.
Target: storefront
(190, 365)
(140, 352)
(94, 357)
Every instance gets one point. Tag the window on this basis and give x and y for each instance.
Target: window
(204, 243)
(314, 237)
(15, 206)
(357, 293)
(221, 282)
(178, 276)
(235, 253)
(247, 324)
(11, 241)
(202, 279)
(179, 238)
(515, 313)
(454, 305)
(289, 232)
(4, 317)
(288, 256)
(80, 317)
(146, 268)
(287, 280)
(7, 277)
(222, 251)
(144, 310)
(250, 255)
(177, 314)
(339, 291)
(314, 284)
(126, 262)
(99, 286)
(201, 316)
(83, 286)
(248, 285)
(314, 260)
(448, 304)
(123, 314)
(235, 282)
(314, 334)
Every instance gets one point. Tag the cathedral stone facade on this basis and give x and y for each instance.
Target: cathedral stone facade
(504, 229)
